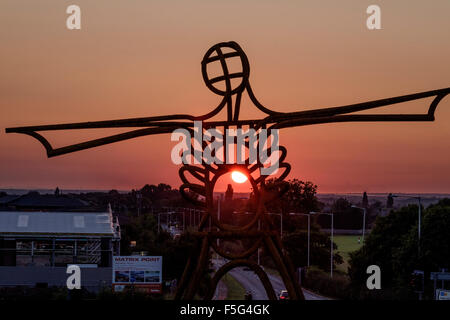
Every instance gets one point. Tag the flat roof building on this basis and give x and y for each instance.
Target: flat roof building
(37, 246)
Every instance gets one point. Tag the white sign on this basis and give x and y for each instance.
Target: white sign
(443, 294)
(137, 270)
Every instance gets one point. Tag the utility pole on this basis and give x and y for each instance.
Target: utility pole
(309, 237)
(331, 244)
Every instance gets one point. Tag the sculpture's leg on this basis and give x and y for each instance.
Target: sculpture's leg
(199, 270)
(273, 246)
(187, 273)
(281, 267)
(237, 263)
(184, 279)
(288, 262)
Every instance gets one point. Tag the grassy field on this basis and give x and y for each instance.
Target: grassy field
(235, 290)
(346, 244)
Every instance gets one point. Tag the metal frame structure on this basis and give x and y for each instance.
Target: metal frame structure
(207, 174)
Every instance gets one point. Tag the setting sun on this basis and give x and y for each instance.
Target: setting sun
(238, 177)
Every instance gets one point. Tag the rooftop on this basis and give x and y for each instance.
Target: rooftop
(58, 223)
(36, 200)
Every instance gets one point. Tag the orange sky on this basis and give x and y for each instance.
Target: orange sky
(142, 58)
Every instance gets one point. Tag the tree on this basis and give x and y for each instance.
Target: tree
(378, 249)
(296, 245)
(345, 216)
(393, 246)
(434, 253)
(390, 201)
(162, 195)
(143, 230)
(341, 205)
(372, 212)
(300, 196)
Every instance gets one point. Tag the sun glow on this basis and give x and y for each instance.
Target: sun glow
(238, 177)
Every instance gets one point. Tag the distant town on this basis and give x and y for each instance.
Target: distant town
(99, 231)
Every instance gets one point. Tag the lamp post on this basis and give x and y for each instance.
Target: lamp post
(281, 222)
(419, 218)
(331, 238)
(309, 232)
(364, 220)
(418, 229)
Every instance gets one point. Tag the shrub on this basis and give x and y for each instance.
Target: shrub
(320, 282)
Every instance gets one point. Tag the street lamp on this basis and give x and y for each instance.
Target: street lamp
(364, 220)
(281, 222)
(309, 230)
(420, 215)
(331, 239)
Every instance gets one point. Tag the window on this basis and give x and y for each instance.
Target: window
(78, 221)
(22, 221)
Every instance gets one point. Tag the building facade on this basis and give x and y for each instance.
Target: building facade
(37, 246)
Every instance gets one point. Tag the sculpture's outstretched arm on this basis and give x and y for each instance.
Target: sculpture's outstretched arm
(149, 125)
(276, 120)
(342, 114)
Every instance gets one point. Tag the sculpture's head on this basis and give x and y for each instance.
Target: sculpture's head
(228, 81)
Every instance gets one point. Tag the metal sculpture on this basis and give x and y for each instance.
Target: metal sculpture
(208, 174)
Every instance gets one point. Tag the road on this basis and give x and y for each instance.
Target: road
(250, 281)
